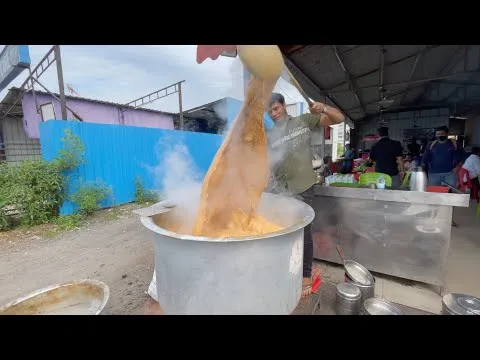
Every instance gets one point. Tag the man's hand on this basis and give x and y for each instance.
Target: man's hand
(317, 108)
(329, 115)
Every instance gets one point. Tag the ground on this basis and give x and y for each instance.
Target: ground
(115, 248)
(112, 247)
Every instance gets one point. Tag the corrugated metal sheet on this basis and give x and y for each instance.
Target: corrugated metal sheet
(405, 120)
(446, 75)
(15, 145)
(117, 154)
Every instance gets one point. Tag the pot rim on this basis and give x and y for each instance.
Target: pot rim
(302, 223)
(358, 284)
(392, 307)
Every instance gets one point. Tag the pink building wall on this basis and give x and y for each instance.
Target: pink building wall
(92, 112)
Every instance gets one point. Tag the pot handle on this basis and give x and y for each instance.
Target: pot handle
(340, 252)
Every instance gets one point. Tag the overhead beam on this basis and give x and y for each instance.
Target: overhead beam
(423, 51)
(444, 69)
(410, 76)
(291, 49)
(381, 89)
(348, 77)
(412, 82)
(292, 66)
(391, 96)
(465, 61)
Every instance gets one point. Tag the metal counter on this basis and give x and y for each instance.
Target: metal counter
(399, 233)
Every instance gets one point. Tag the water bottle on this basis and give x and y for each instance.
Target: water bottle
(381, 183)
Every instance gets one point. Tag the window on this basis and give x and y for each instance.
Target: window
(47, 111)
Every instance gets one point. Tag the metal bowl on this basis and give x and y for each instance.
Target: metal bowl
(460, 304)
(83, 297)
(374, 306)
(358, 273)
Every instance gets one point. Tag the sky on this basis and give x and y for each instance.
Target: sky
(122, 73)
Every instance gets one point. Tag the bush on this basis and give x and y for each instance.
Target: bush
(89, 197)
(143, 195)
(69, 222)
(36, 189)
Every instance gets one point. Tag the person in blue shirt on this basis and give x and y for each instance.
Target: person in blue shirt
(443, 159)
(347, 159)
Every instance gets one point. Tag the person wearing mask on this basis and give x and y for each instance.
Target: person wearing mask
(472, 165)
(443, 159)
(290, 155)
(347, 160)
(388, 157)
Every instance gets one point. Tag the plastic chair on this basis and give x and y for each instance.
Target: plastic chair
(461, 175)
(372, 177)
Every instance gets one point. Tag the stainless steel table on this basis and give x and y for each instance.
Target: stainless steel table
(394, 232)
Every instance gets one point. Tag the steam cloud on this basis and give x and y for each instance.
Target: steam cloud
(178, 178)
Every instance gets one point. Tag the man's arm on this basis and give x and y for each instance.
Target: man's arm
(322, 115)
(328, 114)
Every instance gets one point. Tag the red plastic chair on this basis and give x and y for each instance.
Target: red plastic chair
(463, 186)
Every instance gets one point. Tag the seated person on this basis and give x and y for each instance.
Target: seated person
(472, 165)
(410, 162)
(326, 169)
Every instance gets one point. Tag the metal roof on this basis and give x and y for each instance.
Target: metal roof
(356, 77)
(12, 95)
(206, 111)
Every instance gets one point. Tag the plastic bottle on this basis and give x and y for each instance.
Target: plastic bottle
(381, 183)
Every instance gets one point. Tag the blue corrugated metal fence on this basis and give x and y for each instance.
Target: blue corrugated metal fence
(117, 154)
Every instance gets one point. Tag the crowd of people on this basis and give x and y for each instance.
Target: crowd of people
(441, 158)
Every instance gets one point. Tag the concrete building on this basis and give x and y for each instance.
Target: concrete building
(19, 131)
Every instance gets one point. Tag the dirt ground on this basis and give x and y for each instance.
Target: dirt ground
(112, 247)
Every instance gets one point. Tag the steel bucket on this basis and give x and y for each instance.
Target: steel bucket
(248, 275)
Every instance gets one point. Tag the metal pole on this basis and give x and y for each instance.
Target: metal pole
(180, 110)
(61, 86)
(33, 90)
(52, 95)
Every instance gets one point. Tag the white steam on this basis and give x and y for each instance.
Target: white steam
(178, 178)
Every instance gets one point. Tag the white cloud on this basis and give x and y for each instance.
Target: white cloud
(123, 73)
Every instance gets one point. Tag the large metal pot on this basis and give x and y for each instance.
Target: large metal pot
(250, 275)
(459, 304)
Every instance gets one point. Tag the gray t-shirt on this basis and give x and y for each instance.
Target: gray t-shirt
(290, 153)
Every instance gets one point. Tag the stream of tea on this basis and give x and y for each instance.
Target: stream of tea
(238, 175)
